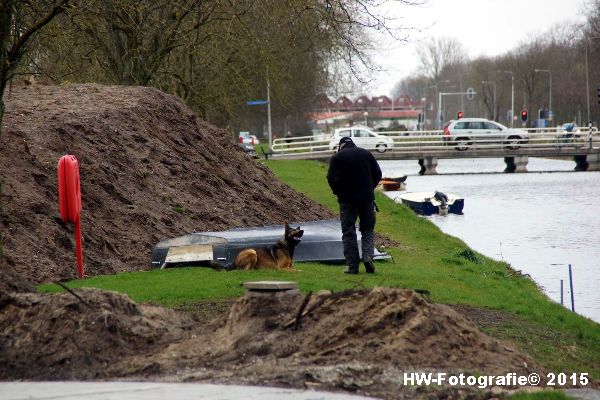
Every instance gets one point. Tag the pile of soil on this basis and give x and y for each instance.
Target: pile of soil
(359, 341)
(150, 170)
(79, 335)
(394, 326)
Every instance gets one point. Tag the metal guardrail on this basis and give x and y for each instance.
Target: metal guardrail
(419, 142)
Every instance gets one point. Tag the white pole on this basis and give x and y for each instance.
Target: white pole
(587, 81)
(587, 75)
(495, 107)
(549, 73)
(550, 89)
(439, 118)
(269, 110)
(512, 102)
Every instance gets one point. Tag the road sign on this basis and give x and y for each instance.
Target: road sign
(471, 93)
(256, 102)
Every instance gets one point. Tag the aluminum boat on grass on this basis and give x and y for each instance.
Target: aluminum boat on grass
(321, 242)
(429, 203)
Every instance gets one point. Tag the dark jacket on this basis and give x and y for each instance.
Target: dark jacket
(353, 174)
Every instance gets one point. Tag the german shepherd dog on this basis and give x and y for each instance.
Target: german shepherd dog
(278, 256)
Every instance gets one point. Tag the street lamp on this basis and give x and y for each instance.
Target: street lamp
(512, 99)
(549, 73)
(424, 110)
(437, 94)
(269, 110)
(425, 107)
(587, 76)
(493, 83)
(441, 103)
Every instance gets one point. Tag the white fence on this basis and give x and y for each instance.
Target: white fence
(435, 141)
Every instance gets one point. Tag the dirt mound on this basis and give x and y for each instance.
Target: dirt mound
(150, 170)
(67, 337)
(359, 341)
(354, 341)
(394, 326)
(11, 282)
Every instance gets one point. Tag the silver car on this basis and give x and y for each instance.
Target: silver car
(465, 132)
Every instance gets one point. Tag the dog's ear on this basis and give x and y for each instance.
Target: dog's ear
(287, 228)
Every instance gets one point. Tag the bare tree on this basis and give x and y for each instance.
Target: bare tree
(436, 55)
(414, 86)
(20, 22)
(130, 39)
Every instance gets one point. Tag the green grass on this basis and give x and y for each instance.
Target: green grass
(427, 259)
(178, 286)
(542, 395)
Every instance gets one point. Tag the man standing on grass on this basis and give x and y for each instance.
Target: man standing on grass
(353, 174)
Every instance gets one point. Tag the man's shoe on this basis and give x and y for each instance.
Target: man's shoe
(369, 267)
(351, 271)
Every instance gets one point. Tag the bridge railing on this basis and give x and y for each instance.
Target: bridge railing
(435, 141)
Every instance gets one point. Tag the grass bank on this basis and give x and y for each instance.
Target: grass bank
(427, 259)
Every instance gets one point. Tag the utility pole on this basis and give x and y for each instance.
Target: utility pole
(512, 98)
(587, 75)
(550, 101)
(269, 110)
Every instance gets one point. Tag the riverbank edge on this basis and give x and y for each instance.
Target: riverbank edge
(559, 339)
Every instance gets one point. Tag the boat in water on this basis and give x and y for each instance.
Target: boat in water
(392, 184)
(429, 203)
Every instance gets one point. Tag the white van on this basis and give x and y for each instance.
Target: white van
(362, 137)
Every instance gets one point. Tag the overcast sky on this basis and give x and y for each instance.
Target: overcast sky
(484, 27)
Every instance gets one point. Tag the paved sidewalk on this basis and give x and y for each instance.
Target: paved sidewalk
(155, 391)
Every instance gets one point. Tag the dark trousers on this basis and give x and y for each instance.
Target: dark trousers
(348, 215)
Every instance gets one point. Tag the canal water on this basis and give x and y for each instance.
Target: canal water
(538, 222)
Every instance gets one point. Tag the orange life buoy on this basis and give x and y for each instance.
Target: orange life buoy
(69, 190)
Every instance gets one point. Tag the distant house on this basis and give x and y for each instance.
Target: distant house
(403, 101)
(344, 104)
(324, 103)
(377, 112)
(362, 103)
(381, 102)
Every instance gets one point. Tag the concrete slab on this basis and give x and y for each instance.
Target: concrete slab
(273, 286)
(155, 391)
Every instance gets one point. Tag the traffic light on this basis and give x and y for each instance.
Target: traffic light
(459, 115)
(524, 115)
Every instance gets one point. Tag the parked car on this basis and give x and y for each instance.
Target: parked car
(362, 137)
(246, 138)
(464, 132)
